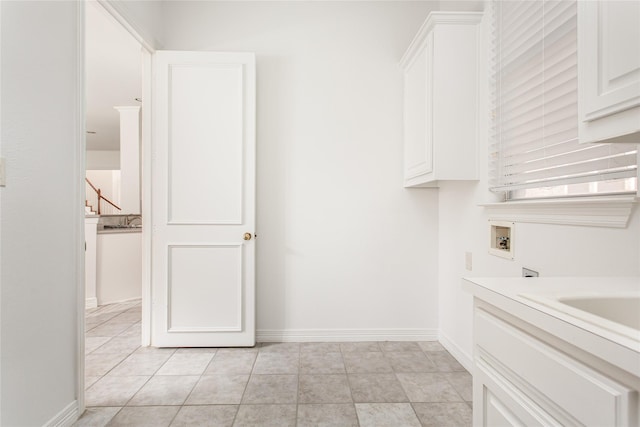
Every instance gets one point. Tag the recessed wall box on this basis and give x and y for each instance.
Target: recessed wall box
(502, 241)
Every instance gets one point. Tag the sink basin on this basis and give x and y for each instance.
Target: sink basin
(623, 310)
(618, 313)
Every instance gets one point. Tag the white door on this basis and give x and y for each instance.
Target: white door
(203, 200)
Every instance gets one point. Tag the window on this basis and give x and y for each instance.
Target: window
(535, 151)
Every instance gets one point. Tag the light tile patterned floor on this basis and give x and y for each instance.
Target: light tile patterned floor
(273, 384)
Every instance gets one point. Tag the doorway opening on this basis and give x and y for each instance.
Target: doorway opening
(117, 84)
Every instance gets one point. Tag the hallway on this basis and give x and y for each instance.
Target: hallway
(303, 384)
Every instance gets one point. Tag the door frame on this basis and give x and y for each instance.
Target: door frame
(147, 50)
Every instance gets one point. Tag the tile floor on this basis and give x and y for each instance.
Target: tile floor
(273, 384)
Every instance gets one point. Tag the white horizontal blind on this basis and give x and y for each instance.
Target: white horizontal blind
(535, 94)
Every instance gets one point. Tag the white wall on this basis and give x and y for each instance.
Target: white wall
(552, 250)
(39, 258)
(461, 5)
(103, 160)
(146, 18)
(341, 245)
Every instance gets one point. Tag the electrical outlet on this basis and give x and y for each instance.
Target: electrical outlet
(468, 261)
(526, 272)
(3, 177)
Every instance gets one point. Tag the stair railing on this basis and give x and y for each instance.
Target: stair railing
(97, 198)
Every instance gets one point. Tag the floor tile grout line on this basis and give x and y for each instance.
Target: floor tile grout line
(136, 392)
(255, 360)
(237, 410)
(174, 415)
(298, 386)
(114, 415)
(415, 413)
(112, 368)
(353, 401)
(454, 387)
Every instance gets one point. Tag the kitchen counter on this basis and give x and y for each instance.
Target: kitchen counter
(120, 230)
(517, 296)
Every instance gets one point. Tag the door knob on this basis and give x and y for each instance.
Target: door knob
(247, 236)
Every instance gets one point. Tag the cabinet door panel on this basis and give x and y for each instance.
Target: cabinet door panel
(609, 70)
(497, 402)
(611, 57)
(418, 159)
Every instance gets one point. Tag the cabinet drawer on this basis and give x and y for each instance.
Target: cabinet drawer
(497, 402)
(584, 394)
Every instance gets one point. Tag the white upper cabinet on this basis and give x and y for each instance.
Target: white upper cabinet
(441, 100)
(609, 71)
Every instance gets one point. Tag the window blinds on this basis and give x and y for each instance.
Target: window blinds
(535, 111)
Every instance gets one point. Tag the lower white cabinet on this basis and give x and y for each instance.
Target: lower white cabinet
(90, 258)
(524, 376)
(119, 267)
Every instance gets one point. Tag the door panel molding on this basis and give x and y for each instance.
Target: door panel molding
(205, 143)
(237, 308)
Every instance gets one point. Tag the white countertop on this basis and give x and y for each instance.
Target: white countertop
(514, 295)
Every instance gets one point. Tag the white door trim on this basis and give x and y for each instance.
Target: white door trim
(79, 189)
(147, 75)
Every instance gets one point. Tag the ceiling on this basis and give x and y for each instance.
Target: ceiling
(113, 76)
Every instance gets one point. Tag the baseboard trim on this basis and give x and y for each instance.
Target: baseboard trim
(66, 417)
(91, 303)
(122, 301)
(465, 359)
(342, 335)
